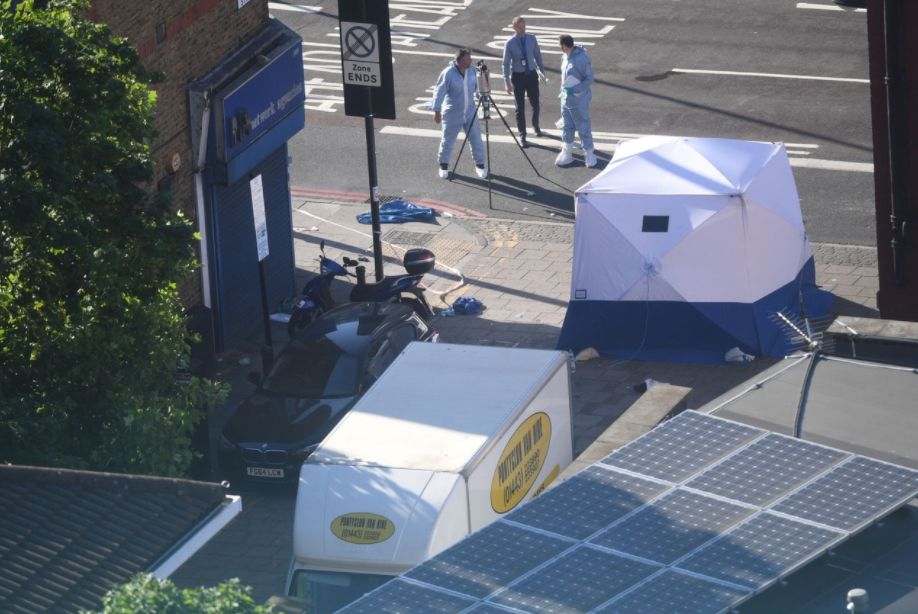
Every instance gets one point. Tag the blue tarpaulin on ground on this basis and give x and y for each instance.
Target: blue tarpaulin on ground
(399, 211)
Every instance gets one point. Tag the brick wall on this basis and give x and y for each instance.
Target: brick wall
(198, 35)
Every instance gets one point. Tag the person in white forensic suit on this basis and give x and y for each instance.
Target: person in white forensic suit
(576, 93)
(454, 104)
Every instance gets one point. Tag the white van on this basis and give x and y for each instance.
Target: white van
(450, 438)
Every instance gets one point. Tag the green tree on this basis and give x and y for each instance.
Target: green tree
(91, 326)
(144, 594)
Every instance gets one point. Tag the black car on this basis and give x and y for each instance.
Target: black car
(315, 380)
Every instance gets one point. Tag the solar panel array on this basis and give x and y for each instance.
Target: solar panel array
(695, 516)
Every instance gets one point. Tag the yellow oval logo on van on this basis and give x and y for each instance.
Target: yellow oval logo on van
(520, 462)
(362, 528)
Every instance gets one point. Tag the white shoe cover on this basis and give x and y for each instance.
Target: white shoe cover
(482, 172)
(444, 173)
(589, 158)
(566, 156)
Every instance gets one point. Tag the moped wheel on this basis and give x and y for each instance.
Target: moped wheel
(419, 306)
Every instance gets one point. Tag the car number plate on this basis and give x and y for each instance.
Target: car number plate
(264, 472)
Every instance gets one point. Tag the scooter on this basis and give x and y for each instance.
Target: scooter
(317, 297)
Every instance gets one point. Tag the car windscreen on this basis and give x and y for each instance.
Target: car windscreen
(316, 368)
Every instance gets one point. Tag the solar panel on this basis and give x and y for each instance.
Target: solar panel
(675, 593)
(398, 596)
(695, 516)
(489, 559)
(681, 446)
(672, 526)
(757, 552)
(852, 494)
(577, 581)
(587, 502)
(490, 608)
(767, 469)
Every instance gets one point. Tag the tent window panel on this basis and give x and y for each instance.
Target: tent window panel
(655, 223)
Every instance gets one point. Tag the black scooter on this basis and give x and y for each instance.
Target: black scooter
(317, 298)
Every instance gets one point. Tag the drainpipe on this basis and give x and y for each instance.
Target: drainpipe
(896, 133)
(199, 200)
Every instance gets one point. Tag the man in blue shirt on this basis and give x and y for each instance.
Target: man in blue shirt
(522, 58)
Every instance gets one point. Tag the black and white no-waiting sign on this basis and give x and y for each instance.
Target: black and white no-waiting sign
(366, 63)
(366, 58)
(360, 54)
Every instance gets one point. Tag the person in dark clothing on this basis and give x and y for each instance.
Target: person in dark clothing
(522, 69)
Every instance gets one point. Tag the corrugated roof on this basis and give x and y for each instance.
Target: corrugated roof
(67, 537)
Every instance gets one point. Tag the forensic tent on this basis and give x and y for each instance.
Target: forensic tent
(687, 248)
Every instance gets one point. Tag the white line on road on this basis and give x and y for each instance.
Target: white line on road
(765, 74)
(295, 8)
(600, 138)
(404, 51)
(828, 7)
(552, 14)
(832, 165)
(445, 55)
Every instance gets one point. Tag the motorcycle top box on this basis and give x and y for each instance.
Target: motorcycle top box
(418, 261)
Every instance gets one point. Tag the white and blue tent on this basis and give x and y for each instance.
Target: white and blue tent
(686, 248)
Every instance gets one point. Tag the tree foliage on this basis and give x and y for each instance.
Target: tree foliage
(144, 594)
(91, 326)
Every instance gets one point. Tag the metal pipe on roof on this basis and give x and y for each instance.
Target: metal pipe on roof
(805, 393)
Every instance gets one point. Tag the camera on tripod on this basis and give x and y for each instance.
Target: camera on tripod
(483, 111)
(484, 78)
(484, 89)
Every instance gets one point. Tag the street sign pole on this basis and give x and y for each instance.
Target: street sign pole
(267, 350)
(374, 196)
(374, 187)
(366, 63)
(256, 191)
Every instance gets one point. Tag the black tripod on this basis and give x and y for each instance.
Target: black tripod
(485, 103)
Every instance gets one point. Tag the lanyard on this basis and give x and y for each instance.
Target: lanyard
(522, 40)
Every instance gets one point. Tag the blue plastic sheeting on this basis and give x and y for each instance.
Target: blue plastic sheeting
(399, 211)
(468, 306)
(691, 332)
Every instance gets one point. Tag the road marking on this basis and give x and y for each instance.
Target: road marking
(324, 96)
(829, 7)
(832, 165)
(394, 50)
(608, 141)
(547, 35)
(765, 74)
(446, 55)
(294, 8)
(551, 14)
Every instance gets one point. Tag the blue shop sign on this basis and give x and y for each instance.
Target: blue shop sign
(263, 100)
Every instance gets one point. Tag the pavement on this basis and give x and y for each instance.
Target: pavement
(521, 271)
